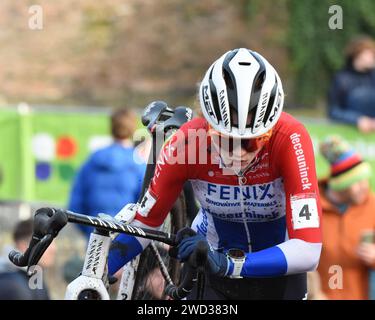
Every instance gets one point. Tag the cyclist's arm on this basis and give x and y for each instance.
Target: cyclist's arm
(301, 252)
(164, 189)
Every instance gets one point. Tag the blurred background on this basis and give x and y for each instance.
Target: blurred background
(60, 80)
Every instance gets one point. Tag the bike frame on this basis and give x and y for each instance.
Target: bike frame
(93, 271)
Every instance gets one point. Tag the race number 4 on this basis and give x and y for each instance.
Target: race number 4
(304, 212)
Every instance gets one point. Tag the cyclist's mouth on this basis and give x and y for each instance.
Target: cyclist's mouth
(238, 163)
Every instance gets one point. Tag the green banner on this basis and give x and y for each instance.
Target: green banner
(60, 143)
(41, 151)
(10, 157)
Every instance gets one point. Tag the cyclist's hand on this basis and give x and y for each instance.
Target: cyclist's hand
(218, 263)
(181, 234)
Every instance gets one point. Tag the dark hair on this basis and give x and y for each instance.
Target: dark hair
(23, 230)
(123, 124)
(356, 46)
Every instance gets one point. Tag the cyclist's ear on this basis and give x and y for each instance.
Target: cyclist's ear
(183, 233)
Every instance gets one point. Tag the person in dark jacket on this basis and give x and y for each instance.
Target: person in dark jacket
(112, 176)
(14, 282)
(351, 97)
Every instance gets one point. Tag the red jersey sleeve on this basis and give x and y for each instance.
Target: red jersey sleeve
(296, 164)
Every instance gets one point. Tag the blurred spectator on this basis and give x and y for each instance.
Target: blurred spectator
(111, 177)
(14, 282)
(348, 215)
(72, 268)
(352, 94)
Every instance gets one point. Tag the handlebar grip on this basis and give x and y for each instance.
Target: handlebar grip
(17, 258)
(22, 259)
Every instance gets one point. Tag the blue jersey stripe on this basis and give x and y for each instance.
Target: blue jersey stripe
(262, 235)
(231, 234)
(270, 262)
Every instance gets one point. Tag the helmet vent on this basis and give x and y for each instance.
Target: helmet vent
(259, 81)
(244, 63)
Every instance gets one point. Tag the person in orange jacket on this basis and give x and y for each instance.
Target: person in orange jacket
(348, 206)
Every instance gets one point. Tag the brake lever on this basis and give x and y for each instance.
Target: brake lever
(38, 251)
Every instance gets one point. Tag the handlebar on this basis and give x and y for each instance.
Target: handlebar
(49, 221)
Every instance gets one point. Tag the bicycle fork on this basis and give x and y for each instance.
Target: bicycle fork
(90, 285)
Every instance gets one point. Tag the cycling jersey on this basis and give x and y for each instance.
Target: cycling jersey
(271, 211)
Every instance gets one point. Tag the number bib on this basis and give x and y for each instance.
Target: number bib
(304, 211)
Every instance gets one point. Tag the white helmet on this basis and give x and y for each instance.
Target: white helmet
(241, 94)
